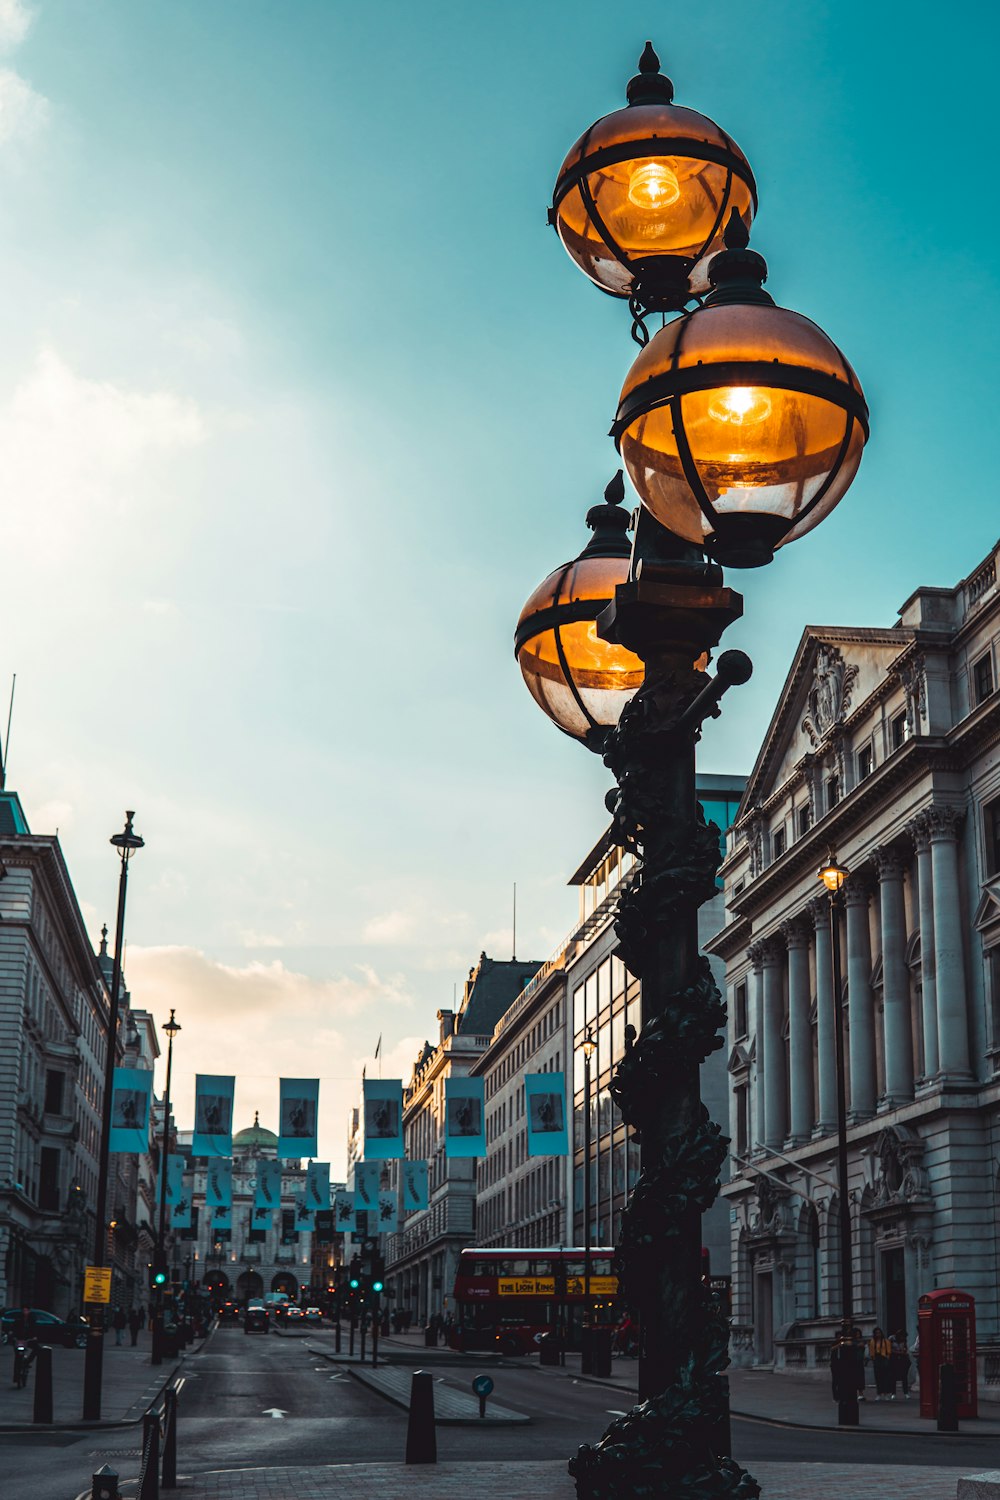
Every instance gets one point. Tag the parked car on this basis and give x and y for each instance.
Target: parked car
(69, 1333)
(256, 1319)
(293, 1314)
(313, 1315)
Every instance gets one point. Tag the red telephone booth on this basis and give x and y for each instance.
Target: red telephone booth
(947, 1329)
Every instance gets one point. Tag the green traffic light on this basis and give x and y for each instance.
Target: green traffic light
(355, 1283)
(159, 1278)
(376, 1286)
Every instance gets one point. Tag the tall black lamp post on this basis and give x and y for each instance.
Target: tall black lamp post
(741, 425)
(833, 876)
(126, 842)
(171, 1027)
(588, 1047)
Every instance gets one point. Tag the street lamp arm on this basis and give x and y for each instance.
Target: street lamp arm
(800, 1166)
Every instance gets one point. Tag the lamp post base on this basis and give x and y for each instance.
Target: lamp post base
(848, 1414)
(93, 1371)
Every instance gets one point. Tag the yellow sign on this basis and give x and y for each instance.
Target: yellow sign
(600, 1286)
(97, 1284)
(527, 1286)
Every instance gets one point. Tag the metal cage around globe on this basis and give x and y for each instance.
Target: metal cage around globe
(741, 424)
(579, 680)
(643, 197)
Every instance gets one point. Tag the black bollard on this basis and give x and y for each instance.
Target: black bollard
(168, 1467)
(104, 1484)
(337, 1345)
(43, 1385)
(149, 1489)
(421, 1439)
(363, 1332)
(947, 1399)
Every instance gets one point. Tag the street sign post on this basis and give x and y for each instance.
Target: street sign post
(482, 1385)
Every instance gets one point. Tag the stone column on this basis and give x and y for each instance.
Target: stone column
(895, 979)
(860, 1009)
(919, 831)
(775, 1080)
(949, 953)
(755, 953)
(800, 1073)
(827, 1018)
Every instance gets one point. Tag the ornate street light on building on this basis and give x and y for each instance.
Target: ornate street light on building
(171, 1027)
(833, 876)
(735, 456)
(126, 842)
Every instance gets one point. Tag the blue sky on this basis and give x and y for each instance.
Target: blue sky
(300, 398)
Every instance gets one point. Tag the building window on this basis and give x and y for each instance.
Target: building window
(741, 1100)
(777, 843)
(982, 678)
(899, 731)
(48, 1182)
(865, 762)
(54, 1081)
(805, 819)
(832, 792)
(991, 827)
(740, 1010)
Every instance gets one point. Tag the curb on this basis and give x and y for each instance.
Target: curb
(103, 1424)
(356, 1373)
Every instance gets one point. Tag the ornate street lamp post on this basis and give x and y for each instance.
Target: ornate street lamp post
(833, 876)
(589, 1048)
(741, 426)
(171, 1027)
(126, 842)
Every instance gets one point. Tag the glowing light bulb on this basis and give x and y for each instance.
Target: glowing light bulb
(653, 186)
(741, 405)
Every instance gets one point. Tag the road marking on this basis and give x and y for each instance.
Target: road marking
(612, 1413)
(274, 1411)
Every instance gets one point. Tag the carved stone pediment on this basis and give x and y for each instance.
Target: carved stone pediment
(769, 1215)
(829, 697)
(739, 1059)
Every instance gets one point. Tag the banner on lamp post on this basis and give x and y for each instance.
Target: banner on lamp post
(343, 1212)
(366, 1175)
(464, 1117)
(267, 1193)
(175, 1179)
(317, 1192)
(180, 1211)
(130, 1103)
(222, 1219)
(298, 1109)
(213, 1115)
(219, 1185)
(382, 1114)
(415, 1193)
(545, 1107)
(388, 1211)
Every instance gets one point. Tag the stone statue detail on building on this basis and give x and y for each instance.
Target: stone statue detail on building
(829, 698)
(902, 1176)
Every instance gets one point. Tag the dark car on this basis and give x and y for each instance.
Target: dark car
(69, 1333)
(255, 1319)
(229, 1312)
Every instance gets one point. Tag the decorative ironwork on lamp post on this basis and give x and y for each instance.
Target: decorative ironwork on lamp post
(126, 842)
(741, 426)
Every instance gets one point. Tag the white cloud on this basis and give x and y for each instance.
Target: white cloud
(15, 20)
(390, 928)
(23, 111)
(420, 923)
(70, 446)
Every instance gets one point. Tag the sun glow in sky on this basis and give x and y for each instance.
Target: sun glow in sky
(300, 399)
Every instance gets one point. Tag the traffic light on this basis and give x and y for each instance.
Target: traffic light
(158, 1271)
(355, 1277)
(378, 1273)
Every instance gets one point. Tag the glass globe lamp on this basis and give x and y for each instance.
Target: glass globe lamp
(642, 199)
(741, 424)
(579, 680)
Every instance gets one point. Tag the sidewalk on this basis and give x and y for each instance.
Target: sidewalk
(129, 1385)
(529, 1481)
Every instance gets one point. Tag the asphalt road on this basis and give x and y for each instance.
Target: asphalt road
(252, 1400)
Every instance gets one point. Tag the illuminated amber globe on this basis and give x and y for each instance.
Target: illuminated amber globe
(741, 424)
(642, 199)
(579, 680)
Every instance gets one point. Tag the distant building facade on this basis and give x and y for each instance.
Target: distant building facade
(884, 748)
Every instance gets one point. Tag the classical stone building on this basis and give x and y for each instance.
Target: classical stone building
(422, 1258)
(883, 747)
(53, 1029)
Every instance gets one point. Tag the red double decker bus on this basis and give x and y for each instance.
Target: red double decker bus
(506, 1299)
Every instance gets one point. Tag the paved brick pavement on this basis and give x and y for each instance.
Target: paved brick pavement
(529, 1481)
(129, 1384)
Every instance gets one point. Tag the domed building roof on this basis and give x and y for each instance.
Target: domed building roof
(254, 1136)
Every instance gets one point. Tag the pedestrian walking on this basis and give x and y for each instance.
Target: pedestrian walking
(134, 1325)
(899, 1361)
(880, 1354)
(118, 1323)
(858, 1344)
